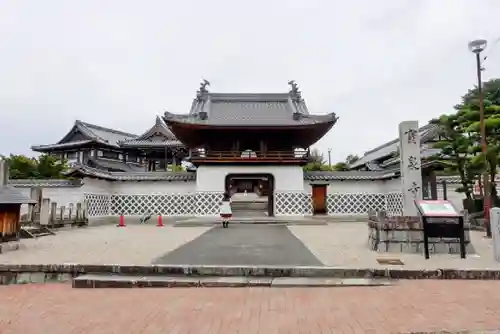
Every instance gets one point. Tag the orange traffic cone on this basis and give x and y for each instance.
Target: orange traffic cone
(160, 221)
(122, 221)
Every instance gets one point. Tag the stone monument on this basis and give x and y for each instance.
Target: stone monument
(411, 174)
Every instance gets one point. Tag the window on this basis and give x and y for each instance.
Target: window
(110, 155)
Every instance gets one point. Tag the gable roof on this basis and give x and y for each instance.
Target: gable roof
(249, 109)
(99, 133)
(159, 135)
(427, 133)
(92, 133)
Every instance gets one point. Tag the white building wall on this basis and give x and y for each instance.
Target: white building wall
(358, 186)
(152, 187)
(287, 178)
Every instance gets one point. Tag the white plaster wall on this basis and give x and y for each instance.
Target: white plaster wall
(359, 186)
(393, 185)
(153, 187)
(287, 178)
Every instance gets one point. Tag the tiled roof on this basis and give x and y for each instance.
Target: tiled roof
(9, 195)
(92, 133)
(427, 133)
(28, 183)
(82, 170)
(117, 165)
(159, 135)
(348, 175)
(232, 109)
(106, 135)
(63, 145)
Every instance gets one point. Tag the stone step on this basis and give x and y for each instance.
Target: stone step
(249, 206)
(249, 213)
(118, 281)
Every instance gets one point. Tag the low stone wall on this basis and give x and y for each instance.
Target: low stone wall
(404, 234)
(22, 274)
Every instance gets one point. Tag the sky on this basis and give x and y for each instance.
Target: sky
(119, 63)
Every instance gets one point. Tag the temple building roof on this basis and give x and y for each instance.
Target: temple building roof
(385, 156)
(249, 110)
(159, 135)
(85, 133)
(114, 165)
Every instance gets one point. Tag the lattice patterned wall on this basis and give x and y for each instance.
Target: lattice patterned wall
(199, 204)
(208, 203)
(361, 203)
(292, 203)
(394, 204)
(98, 205)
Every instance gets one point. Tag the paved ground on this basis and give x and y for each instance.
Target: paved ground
(410, 306)
(336, 244)
(345, 245)
(134, 244)
(243, 245)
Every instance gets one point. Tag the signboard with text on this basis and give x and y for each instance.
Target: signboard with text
(436, 208)
(441, 220)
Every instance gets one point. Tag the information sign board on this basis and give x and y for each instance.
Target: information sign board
(441, 220)
(436, 208)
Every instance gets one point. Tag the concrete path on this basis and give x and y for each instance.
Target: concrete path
(243, 245)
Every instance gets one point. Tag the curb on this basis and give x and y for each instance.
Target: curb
(10, 272)
(117, 281)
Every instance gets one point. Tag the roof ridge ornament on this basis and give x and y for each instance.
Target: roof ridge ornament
(295, 93)
(203, 89)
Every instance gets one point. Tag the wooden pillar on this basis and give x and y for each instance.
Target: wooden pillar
(165, 159)
(433, 185)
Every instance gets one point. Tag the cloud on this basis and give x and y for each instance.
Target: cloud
(120, 63)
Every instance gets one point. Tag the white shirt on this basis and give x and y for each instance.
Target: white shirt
(225, 208)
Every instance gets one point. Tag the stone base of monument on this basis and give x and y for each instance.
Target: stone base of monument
(404, 234)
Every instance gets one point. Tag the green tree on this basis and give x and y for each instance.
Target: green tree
(460, 139)
(455, 152)
(351, 158)
(341, 166)
(316, 162)
(45, 167)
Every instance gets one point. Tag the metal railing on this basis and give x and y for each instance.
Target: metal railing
(250, 155)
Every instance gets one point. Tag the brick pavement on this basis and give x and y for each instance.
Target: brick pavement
(409, 306)
(345, 245)
(134, 244)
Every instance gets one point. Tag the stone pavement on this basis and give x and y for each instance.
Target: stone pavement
(410, 306)
(335, 244)
(243, 245)
(345, 245)
(134, 244)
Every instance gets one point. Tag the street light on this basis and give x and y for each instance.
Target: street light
(477, 46)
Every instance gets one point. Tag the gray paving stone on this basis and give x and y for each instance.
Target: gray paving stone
(243, 245)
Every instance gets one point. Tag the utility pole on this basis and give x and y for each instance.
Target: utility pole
(330, 157)
(477, 46)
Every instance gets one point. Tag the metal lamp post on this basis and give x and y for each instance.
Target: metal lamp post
(477, 46)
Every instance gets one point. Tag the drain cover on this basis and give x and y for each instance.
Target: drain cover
(391, 262)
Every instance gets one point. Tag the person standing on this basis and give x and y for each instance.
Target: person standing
(225, 210)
